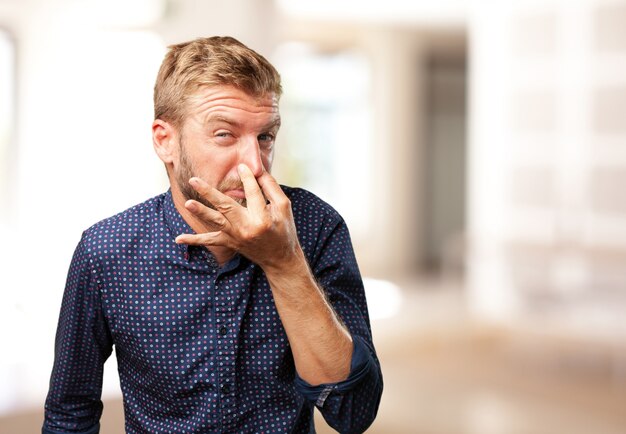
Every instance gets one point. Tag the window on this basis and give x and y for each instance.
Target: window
(325, 141)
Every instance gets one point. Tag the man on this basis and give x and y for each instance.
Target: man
(234, 304)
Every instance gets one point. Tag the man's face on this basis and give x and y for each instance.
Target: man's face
(225, 127)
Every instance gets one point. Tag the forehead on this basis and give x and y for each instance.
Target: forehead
(209, 103)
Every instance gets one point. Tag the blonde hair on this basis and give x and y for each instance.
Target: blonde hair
(210, 61)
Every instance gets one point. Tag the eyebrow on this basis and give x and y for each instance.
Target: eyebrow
(220, 118)
(275, 123)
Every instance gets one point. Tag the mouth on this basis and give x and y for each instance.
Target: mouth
(235, 193)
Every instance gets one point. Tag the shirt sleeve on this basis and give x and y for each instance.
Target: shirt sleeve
(349, 406)
(82, 345)
(360, 367)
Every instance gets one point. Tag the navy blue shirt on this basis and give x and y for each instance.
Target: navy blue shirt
(201, 348)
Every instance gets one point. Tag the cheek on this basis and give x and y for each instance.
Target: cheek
(268, 158)
(216, 166)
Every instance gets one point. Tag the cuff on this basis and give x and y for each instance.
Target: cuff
(359, 367)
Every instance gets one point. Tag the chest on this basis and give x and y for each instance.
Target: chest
(156, 302)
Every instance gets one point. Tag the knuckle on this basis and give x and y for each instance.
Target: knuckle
(266, 225)
(255, 231)
(284, 203)
(248, 234)
(224, 207)
(221, 221)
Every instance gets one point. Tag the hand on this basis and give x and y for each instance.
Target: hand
(264, 231)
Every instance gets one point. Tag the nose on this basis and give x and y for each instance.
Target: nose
(250, 155)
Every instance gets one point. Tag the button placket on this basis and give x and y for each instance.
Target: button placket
(226, 356)
(207, 374)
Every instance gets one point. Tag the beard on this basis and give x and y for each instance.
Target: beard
(187, 171)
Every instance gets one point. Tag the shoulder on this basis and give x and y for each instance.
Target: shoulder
(306, 206)
(124, 227)
(316, 221)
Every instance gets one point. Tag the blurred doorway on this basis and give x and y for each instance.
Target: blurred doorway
(445, 153)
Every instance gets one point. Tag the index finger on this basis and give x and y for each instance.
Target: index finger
(254, 195)
(271, 188)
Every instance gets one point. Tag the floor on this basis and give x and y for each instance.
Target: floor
(447, 374)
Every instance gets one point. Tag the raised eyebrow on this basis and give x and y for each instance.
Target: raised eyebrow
(220, 118)
(273, 124)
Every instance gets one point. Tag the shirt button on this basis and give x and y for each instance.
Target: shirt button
(223, 330)
(225, 389)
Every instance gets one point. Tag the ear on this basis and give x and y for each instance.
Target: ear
(164, 140)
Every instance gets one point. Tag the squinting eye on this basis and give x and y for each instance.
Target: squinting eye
(266, 138)
(224, 138)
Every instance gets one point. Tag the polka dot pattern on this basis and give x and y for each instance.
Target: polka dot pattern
(200, 348)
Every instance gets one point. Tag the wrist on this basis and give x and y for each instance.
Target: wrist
(293, 262)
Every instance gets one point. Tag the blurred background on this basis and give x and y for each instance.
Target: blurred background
(477, 150)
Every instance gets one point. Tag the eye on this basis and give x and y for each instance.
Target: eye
(224, 137)
(266, 139)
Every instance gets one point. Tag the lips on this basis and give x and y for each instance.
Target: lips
(236, 193)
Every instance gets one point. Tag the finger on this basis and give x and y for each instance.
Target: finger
(217, 238)
(219, 200)
(272, 189)
(206, 214)
(254, 195)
